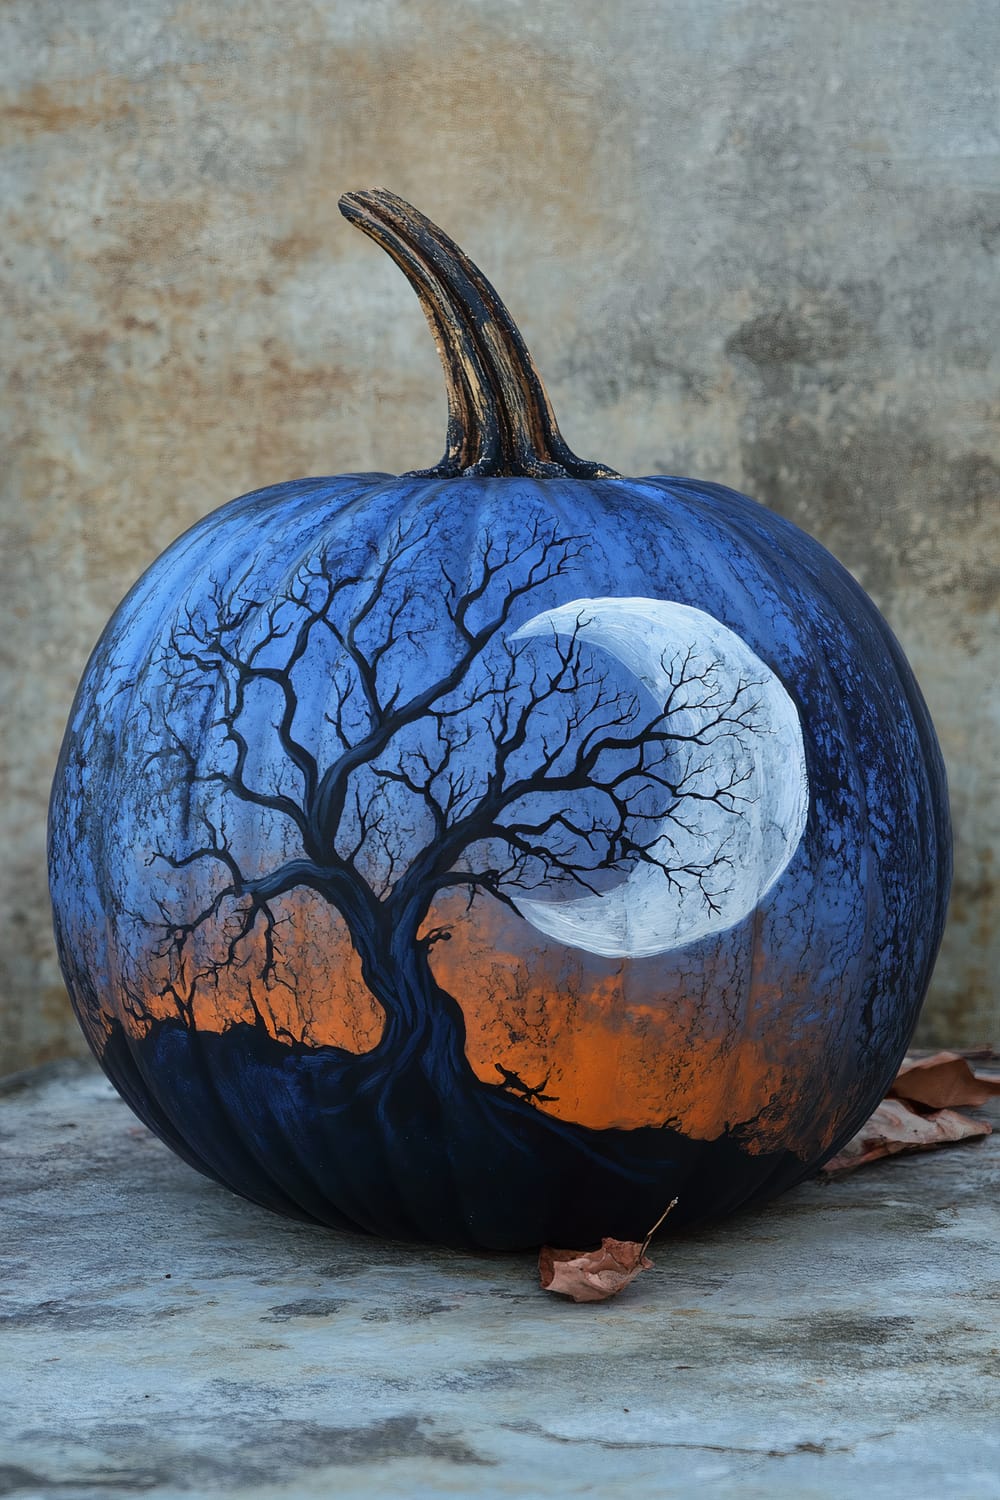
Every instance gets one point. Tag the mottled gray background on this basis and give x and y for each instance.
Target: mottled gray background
(750, 240)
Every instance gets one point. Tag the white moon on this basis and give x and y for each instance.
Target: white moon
(652, 911)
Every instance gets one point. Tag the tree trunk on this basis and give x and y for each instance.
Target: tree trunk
(424, 1025)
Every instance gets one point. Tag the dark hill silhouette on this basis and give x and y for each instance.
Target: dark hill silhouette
(333, 1123)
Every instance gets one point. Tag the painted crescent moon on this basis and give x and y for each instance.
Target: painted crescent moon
(648, 913)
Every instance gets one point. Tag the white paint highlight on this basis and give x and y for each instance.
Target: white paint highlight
(649, 912)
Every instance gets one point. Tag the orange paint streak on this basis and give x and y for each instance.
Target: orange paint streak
(627, 1043)
(701, 1041)
(316, 994)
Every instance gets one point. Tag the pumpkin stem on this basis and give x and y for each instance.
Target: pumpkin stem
(500, 420)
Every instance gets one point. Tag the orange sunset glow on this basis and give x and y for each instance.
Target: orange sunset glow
(622, 1043)
(606, 1043)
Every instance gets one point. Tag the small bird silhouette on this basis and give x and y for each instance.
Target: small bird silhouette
(515, 1084)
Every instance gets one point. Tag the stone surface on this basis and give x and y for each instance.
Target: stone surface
(162, 1337)
(745, 240)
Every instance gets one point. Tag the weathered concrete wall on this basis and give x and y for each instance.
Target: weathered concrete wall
(745, 240)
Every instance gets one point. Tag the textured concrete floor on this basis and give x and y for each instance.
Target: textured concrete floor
(161, 1337)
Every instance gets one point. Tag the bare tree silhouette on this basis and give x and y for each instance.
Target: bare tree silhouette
(446, 755)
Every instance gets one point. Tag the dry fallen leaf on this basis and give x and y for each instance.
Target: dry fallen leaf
(596, 1275)
(942, 1081)
(916, 1114)
(896, 1127)
(592, 1275)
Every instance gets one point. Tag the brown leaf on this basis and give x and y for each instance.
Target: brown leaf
(596, 1275)
(942, 1081)
(592, 1275)
(896, 1126)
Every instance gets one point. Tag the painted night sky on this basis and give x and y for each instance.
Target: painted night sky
(344, 736)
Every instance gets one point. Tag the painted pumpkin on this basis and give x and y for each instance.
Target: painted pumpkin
(492, 853)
